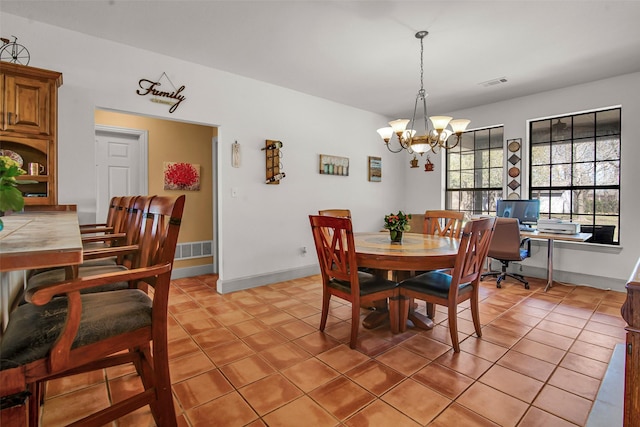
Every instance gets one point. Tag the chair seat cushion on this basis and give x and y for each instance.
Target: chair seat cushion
(436, 283)
(32, 329)
(369, 284)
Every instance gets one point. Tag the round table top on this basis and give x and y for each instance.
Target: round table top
(416, 252)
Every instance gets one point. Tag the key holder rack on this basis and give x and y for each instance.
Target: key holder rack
(274, 174)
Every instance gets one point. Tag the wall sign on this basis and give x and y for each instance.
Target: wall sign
(152, 87)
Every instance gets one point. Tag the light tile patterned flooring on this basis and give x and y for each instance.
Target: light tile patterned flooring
(256, 357)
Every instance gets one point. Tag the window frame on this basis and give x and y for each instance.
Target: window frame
(483, 197)
(572, 142)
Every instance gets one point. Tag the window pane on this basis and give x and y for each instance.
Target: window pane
(607, 173)
(483, 159)
(466, 142)
(496, 158)
(608, 148)
(497, 137)
(560, 175)
(467, 160)
(454, 179)
(466, 179)
(540, 176)
(584, 125)
(583, 174)
(454, 161)
(584, 150)
(482, 139)
(607, 202)
(561, 129)
(583, 201)
(541, 131)
(540, 154)
(495, 177)
(561, 152)
(608, 122)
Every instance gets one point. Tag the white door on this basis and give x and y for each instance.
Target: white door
(121, 165)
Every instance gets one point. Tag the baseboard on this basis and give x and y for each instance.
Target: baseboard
(570, 277)
(226, 286)
(198, 270)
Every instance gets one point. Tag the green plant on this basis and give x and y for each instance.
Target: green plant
(397, 222)
(10, 197)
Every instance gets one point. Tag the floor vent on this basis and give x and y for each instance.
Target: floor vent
(194, 250)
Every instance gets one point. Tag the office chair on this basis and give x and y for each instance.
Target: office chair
(507, 246)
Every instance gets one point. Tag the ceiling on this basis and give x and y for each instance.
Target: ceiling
(364, 53)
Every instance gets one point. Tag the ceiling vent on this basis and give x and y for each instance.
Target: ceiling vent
(494, 82)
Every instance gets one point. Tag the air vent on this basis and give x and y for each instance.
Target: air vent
(494, 82)
(194, 250)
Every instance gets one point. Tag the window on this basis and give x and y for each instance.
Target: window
(575, 170)
(474, 171)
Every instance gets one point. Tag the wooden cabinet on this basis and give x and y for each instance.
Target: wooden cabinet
(29, 126)
(631, 314)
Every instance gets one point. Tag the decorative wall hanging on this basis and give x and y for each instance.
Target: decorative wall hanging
(273, 156)
(334, 165)
(150, 87)
(375, 169)
(181, 176)
(413, 162)
(235, 155)
(428, 166)
(514, 173)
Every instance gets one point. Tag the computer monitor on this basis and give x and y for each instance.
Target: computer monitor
(527, 211)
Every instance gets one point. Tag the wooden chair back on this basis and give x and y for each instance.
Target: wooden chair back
(443, 223)
(472, 252)
(80, 349)
(340, 213)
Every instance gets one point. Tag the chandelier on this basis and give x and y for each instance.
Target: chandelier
(438, 136)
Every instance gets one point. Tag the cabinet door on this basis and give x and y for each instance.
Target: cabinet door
(26, 105)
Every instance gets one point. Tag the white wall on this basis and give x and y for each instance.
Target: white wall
(589, 264)
(262, 230)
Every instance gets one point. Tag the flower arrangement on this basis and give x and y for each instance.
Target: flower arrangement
(397, 222)
(10, 197)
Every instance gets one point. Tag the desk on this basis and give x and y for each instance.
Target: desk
(37, 240)
(417, 252)
(551, 237)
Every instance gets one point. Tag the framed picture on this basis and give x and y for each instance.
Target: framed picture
(334, 165)
(181, 176)
(375, 169)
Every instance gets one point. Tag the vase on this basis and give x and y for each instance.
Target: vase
(396, 236)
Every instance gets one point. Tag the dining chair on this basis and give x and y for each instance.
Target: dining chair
(340, 275)
(340, 213)
(103, 253)
(507, 246)
(440, 288)
(55, 337)
(443, 223)
(106, 226)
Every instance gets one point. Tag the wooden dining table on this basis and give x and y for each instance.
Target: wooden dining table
(417, 252)
(36, 240)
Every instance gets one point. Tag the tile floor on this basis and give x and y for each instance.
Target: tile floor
(256, 358)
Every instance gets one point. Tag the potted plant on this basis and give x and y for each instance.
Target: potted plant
(10, 197)
(397, 224)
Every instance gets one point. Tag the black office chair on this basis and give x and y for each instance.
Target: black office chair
(506, 246)
(599, 233)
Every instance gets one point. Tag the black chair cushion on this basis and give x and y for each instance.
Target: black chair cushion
(436, 283)
(369, 284)
(32, 329)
